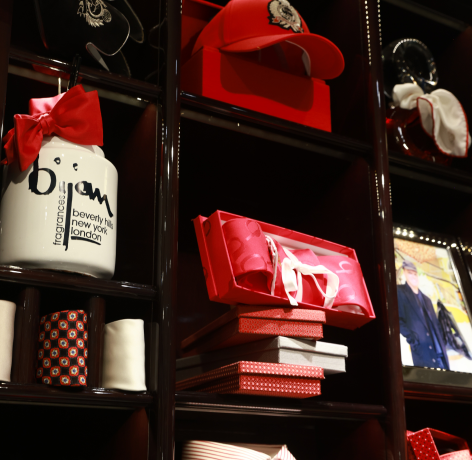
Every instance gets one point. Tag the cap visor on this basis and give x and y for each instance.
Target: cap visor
(326, 59)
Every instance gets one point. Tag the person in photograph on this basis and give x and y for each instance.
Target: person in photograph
(418, 322)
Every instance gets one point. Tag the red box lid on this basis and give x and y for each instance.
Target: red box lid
(265, 386)
(253, 368)
(243, 330)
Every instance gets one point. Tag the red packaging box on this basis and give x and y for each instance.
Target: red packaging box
(244, 330)
(267, 379)
(424, 444)
(266, 386)
(262, 313)
(222, 285)
(231, 78)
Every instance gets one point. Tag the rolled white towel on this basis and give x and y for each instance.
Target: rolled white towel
(7, 328)
(123, 355)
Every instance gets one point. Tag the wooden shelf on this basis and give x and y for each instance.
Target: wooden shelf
(99, 397)
(276, 407)
(442, 393)
(257, 124)
(74, 282)
(426, 171)
(96, 76)
(453, 14)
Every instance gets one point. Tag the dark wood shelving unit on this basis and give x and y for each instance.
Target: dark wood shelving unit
(180, 155)
(118, 422)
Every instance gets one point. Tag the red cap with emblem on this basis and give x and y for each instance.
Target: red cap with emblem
(250, 25)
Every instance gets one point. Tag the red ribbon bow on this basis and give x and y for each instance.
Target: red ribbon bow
(75, 116)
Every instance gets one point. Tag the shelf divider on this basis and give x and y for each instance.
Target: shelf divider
(387, 312)
(25, 341)
(96, 327)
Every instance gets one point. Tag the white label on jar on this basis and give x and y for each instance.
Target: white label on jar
(73, 224)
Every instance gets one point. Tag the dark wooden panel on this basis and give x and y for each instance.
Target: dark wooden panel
(95, 309)
(25, 342)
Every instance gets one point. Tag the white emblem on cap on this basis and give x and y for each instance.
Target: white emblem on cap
(284, 15)
(95, 12)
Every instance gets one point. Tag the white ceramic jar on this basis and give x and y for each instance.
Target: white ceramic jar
(60, 213)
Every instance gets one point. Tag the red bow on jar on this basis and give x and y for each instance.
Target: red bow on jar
(74, 116)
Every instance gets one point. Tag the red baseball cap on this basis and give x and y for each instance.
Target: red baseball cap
(250, 25)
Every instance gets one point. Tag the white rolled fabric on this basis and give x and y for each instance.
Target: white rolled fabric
(441, 114)
(7, 328)
(123, 355)
(210, 450)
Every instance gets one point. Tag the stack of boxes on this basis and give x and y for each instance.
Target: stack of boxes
(270, 347)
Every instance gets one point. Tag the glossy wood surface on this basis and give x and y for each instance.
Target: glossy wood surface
(381, 209)
(345, 178)
(428, 392)
(25, 341)
(95, 309)
(46, 394)
(275, 407)
(167, 188)
(54, 279)
(6, 9)
(102, 77)
(331, 143)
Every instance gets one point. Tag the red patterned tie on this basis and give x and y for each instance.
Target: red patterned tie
(62, 354)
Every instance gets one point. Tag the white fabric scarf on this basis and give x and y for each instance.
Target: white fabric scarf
(441, 114)
(7, 328)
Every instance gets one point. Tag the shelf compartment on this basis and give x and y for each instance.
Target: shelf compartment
(108, 79)
(275, 407)
(73, 282)
(203, 109)
(99, 397)
(428, 392)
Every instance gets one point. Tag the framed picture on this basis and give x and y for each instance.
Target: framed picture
(433, 289)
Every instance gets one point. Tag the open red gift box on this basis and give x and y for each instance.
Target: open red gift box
(252, 80)
(352, 306)
(426, 444)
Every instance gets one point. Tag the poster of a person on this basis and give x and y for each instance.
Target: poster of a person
(435, 325)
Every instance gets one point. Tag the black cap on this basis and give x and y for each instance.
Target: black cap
(409, 265)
